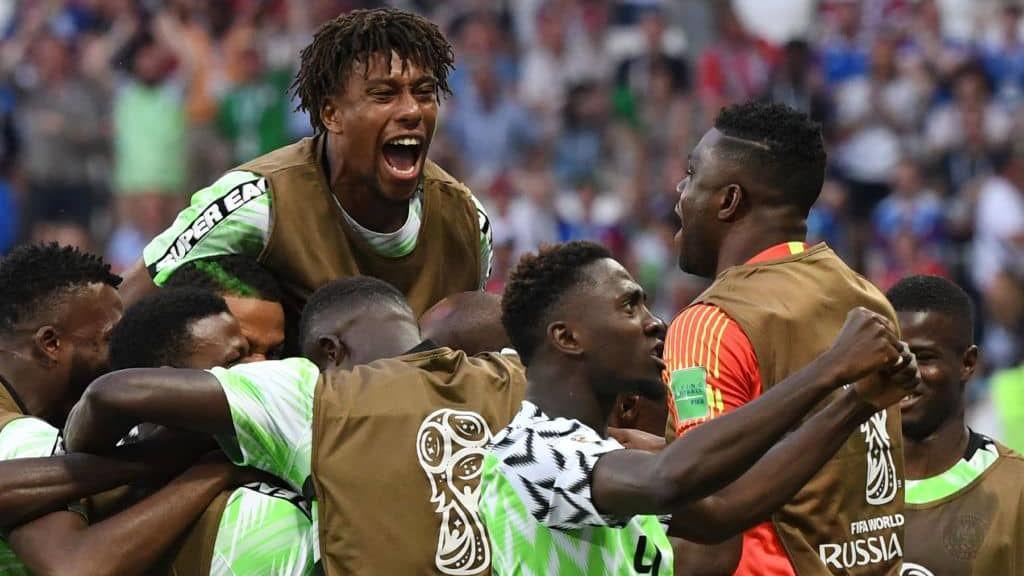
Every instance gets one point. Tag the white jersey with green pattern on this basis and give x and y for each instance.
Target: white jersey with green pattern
(272, 412)
(233, 216)
(536, 504)
(264, 530)
(24, 438)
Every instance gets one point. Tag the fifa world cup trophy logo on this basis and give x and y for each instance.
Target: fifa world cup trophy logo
(881, 483)
(451, 446)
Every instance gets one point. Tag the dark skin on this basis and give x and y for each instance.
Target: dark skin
(603, 341)
(345, 338)
(934, 432)
(375, 105)
(728, 214)
(262, 324)
(217, 341)
(468, 321)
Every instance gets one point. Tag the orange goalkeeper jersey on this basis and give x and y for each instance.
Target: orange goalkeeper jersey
(712, 370)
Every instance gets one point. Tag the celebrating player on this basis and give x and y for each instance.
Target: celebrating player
(775, 305)
(964, 491)
(559, 497)
(360, 197)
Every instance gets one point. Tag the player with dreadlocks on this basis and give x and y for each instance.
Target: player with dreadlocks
(358, 198)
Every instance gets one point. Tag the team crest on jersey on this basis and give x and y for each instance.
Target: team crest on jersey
(689, 390)
(882, 483)
(911, 569)
(450, 446)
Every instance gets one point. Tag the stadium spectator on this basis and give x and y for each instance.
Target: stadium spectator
(734, 68)
(971, 95)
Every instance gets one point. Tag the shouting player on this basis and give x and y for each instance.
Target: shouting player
(422, 419)
(774, 306)
(965, 492)
(559, 497)
(358, 198)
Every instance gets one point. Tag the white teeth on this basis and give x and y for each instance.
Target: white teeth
(405, 142)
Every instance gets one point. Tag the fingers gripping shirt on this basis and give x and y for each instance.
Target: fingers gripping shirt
(536, 503)
(24, 438)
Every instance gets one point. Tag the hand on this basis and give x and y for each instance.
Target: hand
(637, 439)
(233, 476)
(890, 385)
(866, 344)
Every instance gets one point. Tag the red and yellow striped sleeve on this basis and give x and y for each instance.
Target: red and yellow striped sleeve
(711, 367)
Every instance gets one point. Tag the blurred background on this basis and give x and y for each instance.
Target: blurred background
(571, 119)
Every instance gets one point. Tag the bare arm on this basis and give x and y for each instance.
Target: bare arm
(628, 482)
(128, 543)
(137, 283)
(189, 399)
(31, 487)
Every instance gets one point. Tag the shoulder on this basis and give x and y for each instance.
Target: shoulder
(436, 178)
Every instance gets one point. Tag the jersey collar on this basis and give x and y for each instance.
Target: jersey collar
(981, 454)
(778, 251)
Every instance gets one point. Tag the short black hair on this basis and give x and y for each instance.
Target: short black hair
(351, 293)
(934, 294)
(353, 38)
(154, 331)
(233, 275)
(33, 276)
(536, 284)
(784, 147)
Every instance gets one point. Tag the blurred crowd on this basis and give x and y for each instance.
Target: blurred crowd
(570, 119)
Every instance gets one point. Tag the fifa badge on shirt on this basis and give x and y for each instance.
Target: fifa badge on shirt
(689, 390)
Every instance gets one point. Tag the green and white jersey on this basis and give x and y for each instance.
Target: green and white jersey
(272, 412)
(25, 438)
(536, 504)
(264, 530)
(983, 454)
(233, 216)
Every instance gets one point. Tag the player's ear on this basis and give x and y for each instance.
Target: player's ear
(330, 115)
(332, 350)
(968, 364)
(48, 344)
(627, 410)
(732, 199)
(564, 339)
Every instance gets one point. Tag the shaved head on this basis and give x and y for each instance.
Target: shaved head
(469, 321)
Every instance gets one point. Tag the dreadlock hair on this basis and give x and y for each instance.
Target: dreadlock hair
(536, 284)
(233, 275)
(154, 332)
(935, 294)
(353, 38)
(34, 278)
(353, 293)
(781, 144)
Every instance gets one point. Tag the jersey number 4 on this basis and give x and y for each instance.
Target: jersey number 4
(638, 559)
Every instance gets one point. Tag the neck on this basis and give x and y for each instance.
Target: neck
(19, 371)
(358, 196)
(937, 452)
(563, 394)
(764, 231)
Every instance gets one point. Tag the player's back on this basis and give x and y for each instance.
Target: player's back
(791, 309)
(969, 520)
(398, 449)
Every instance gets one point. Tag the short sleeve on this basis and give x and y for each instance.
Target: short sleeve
(486, 241)
(551, 467)
(711, 367)
(29, 438)
(232, 216)
(272, 413)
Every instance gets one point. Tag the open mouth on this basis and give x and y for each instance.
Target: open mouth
(909, 400)
(658, 354)
(402, 156)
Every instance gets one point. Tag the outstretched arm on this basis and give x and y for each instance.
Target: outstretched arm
(628, 482)
(31, 487)
(189, 399)
(127, 543)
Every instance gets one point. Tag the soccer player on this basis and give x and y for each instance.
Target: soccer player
(253, 295)
(776, 304)
(358, 198)
(559, 497)
(256, 529)
(965, 492)
(422, 420)
(470, 321)
(58, 307)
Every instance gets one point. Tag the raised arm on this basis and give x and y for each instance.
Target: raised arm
(128, 543)
(628, 482)
(137, 283)
(110, 406)
(31, 487)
